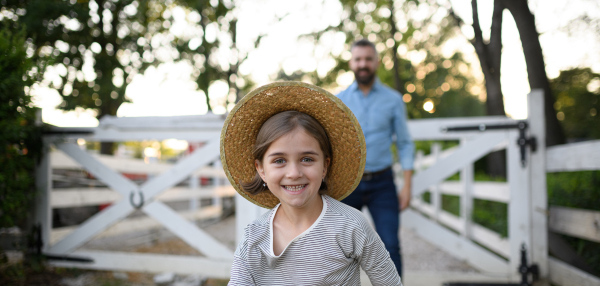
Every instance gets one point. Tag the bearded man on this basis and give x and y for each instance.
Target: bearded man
(382, 117)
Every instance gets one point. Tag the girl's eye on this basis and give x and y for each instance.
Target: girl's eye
(307, 159)
(279, 161)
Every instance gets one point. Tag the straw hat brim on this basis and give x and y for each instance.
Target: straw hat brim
(241, 127)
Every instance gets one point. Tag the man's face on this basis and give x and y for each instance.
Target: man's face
(364, 63)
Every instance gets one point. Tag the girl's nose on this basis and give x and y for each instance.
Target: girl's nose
(294, 171)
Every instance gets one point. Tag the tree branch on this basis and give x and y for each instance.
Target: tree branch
(495, 45)
(396, 72)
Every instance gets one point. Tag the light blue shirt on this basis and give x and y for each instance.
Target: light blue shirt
(381, 115)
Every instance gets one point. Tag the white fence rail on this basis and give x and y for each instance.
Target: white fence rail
(584, 224)
(524, 192)
(126, 196)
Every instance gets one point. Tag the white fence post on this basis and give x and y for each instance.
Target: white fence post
(194, 186)
(466, 200)
(539, 200)
(43, 182)
(216, 182)
(245, 213)
(435, 195)
(518, 208)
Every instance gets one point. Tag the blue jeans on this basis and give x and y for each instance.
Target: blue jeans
(379, 195)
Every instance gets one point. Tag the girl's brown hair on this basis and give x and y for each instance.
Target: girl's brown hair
(277, 126)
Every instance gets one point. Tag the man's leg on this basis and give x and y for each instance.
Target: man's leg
(384, 209)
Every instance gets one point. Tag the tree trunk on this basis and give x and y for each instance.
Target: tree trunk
(490, 59)
(536, 68)
(109, 108)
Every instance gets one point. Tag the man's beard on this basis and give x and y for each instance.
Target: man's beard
(365, 79)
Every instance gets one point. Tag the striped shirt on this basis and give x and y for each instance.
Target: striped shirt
(329, 252)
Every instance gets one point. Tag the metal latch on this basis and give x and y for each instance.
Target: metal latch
(523, 141)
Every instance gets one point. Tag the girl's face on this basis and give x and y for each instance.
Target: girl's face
(293, 168)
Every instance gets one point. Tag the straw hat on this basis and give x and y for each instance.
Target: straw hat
(245, 120)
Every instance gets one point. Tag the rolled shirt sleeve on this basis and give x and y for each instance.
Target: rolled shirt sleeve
(404, 143)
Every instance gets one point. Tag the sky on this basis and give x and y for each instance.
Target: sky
(168, 90)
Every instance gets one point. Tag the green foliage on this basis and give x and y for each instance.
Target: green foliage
(577, 190)
(490, 214)
(99, 46)
(574, 189)
(446, 81)
(577, 93)
(20, 138)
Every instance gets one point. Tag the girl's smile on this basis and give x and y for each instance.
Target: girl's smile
(293, 168)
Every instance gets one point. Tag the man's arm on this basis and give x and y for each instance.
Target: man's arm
(406, 153)
(405, 194)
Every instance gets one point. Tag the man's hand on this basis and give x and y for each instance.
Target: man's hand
(405, 194)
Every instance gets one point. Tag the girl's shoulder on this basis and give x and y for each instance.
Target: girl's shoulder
(351, 214)
(262, 220)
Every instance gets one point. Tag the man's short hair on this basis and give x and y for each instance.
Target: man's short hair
(363, 43)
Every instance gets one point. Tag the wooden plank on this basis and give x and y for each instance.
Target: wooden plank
(452, 221)
(202, 156)
(582, 156)
(539, 191)
(455, 245)
(108, 176)
(138, 224)
(430, 159)
(491, 240)
(431, 129)
(422, 206)
(206, 121)
(482, 235)
(42, 211)
(565, 275)
(245, 213)
(446, 167)
(187, 231)
(128, 165)
(575, 222)
(92, 227)
(436, 196)
(519, 215)
(130, 135)
(466, 200)
(77, 197)
(491, 191)
(152, 263)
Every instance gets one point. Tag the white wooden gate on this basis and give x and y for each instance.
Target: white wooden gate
(217, 257)
(525, 192)
(482, 248)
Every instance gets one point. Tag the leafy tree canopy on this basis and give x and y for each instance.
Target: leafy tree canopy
(20, 138)
(577, 93)
(410, 37)
(99, 46)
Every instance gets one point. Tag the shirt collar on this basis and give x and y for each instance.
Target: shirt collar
(375, 87)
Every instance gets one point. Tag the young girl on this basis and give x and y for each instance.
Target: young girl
(297, 149)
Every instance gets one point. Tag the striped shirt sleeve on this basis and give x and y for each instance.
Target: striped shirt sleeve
(240, 273)
(375, 260)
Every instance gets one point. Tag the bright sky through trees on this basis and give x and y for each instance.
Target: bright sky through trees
(167, 90)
